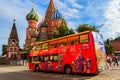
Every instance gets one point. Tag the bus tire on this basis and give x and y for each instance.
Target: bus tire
(37, 68)
(68, 69)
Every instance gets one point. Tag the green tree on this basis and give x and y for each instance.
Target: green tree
(85, 27)
(109, 48)
(117, 38)
(63, 30)
(71, 31)
(4, 48)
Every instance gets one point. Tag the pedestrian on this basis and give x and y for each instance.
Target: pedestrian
(109, 61)
(116, 61)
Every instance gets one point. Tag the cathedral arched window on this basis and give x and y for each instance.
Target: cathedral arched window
(11, 49)
(15, 49)
(12, 55)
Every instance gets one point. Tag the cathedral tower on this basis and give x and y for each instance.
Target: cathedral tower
(13, 43)
(50, 11)
(31, 32)
(53, 19)
(43, 33)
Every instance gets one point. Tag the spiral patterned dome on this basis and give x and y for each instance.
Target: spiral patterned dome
(56, 15)
(32, 15)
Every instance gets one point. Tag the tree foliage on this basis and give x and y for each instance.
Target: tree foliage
(4, 49)
(71, 31)
(109, 48)
(63, 30)
(85, 27)
(117, 38)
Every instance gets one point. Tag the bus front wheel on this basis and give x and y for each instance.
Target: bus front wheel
(68, 69)
(37, 68)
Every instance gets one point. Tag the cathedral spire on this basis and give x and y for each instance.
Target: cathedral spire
(51, 5)
(50, 11)
(14, 25)
(14, 33)
(13, 43)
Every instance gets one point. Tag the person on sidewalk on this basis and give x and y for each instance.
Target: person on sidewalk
(109, 61)
(116, 61)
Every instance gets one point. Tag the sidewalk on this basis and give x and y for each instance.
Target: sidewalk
(8, 68)
(111, 74)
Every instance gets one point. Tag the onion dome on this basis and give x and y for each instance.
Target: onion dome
(56, 15)
(32, 15)
(44, 24)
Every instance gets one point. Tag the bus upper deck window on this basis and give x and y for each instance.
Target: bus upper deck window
(55, 45)
(38, 47)
(45, 46)
(52, 45)
(84, 38)
(33, 48)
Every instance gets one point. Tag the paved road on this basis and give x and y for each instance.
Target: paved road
(22, 73)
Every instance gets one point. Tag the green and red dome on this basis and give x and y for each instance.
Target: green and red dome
(32, 15)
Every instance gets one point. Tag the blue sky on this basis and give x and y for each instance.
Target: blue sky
(75, 12)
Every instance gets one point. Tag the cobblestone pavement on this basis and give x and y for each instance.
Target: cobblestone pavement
(10, 72)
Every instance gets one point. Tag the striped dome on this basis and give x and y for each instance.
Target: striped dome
(56, 15)
(32, 15)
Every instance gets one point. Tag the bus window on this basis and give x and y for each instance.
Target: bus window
(84, 38)
(45, 46)
(73, 40)
(55, 45)
(34, 59)
(62, 44)
(46, 58)
(40, 58)
(33, 48)
(51, 58)
(38, 47)
(52, 45)
(55, 57)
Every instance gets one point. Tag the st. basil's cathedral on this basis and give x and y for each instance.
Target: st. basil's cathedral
(43, 31)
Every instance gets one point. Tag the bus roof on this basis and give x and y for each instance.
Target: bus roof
(63, 37)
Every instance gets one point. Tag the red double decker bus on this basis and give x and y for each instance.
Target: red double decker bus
(78, 53)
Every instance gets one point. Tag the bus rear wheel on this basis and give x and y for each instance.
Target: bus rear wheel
(37, 68)
(68, 69)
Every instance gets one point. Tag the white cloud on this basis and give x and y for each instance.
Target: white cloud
(69, 12)
(75, 13)
(112, 16)
(76, 5)
(18, 9)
